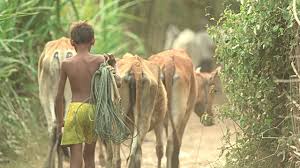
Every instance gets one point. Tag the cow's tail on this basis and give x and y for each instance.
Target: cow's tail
(137, 73)
(169, 72)
(135, 94)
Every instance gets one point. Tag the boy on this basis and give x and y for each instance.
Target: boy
(78, 127)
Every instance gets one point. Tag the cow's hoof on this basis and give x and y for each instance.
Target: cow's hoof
(207, 120)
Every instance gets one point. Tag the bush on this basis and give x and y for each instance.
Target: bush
(254, 46)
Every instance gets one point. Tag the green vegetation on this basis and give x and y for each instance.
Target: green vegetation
(25, 27)
(254, 46)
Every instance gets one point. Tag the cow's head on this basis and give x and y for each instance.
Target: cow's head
(205, 84)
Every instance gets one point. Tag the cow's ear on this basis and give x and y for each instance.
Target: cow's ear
(214, 73)
(69, 54)
(218, 69)
(198, 70)
(56, 55)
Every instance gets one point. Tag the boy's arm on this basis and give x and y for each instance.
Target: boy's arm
(59, 100)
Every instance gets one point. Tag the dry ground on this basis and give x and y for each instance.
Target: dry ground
(200, 148)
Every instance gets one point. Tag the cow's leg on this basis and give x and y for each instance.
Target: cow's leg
(136, 150)
(178, 117)
(109, 152)
(159, 143)
(52, 121)
(173, 147)
(177, 138)
(116, 156)
(60, 156)
(101, 153)
(48, 110)
(175, 155)
(50, 161)
(140, 131)
(170, 146)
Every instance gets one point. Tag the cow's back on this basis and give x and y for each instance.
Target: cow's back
(48, 75)
(178, 67)
(179, 81)
(143, 100)
(142, 90)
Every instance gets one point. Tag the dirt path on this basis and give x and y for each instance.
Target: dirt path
(200, 148)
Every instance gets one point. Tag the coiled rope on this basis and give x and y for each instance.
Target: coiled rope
(109, 121)
(108, 118)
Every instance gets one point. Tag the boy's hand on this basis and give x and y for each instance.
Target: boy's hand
(110, 59)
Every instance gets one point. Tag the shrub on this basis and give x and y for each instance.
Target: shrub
(254, 46)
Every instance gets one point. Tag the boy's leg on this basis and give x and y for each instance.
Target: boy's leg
(89, 155)
(76, 156)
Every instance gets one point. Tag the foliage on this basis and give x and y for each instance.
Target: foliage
(23, 24)
(254, 46)
(108, 25)
(25, 27)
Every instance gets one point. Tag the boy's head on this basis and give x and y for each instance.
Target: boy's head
(82, 33)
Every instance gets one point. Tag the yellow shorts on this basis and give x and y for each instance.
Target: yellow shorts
(79, 125)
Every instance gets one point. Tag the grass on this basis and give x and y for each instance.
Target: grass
(33, 155)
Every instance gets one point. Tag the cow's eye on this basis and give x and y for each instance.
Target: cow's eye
(55, 55)
(213, 89)
(69, 54)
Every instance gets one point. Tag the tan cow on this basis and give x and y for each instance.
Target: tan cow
(144, 101)
(185, 89)
(201, 48)
(48, 76)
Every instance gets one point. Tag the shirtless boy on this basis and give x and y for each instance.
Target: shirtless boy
(78, 128)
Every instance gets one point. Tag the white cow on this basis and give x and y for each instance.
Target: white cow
(48, 77)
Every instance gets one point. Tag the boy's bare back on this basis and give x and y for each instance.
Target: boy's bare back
(79, 70)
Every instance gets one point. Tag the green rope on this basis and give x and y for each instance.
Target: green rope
(109, 121)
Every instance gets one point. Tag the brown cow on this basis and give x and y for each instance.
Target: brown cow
(144, 101)
(201, 48)
(185, 89)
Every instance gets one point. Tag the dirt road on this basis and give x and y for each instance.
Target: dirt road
(200, 148)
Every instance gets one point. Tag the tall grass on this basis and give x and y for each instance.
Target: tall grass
(106, 16)
(25, 27)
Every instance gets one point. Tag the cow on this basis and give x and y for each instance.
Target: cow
(48, 77)
(187, 90)
(144, 101)
(201, 48)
